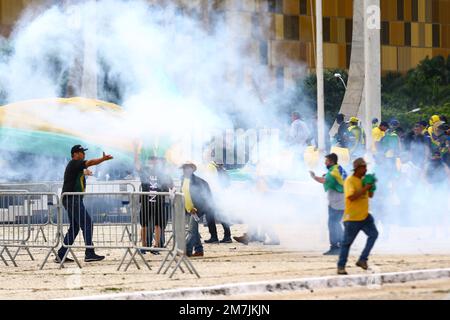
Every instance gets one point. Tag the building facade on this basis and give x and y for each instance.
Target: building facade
(281, 32)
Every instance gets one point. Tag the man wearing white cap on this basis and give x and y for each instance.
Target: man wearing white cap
(356, 216)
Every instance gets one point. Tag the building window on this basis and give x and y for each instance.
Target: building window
(276, 6)
(280, 78)
(326, 29)
(408, 34)
(304, 7)
(291, 27)
(415, 10)
(385, 32)
(436, 36)
(264, 52)
(400, 10)
(348, 30)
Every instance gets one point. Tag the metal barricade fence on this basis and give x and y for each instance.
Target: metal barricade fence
(30, 187)
(24, 223)
(167, 234)
(100, 186)
(177, 254)
(131, 221)
(106, 219)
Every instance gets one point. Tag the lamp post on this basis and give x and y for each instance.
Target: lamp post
(339, 76)
(320, 81)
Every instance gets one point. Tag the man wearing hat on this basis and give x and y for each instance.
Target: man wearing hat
(198, 202)
(356, 216)
(79, 218)
(356, 137)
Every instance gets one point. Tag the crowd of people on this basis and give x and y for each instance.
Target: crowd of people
(421, 153)
(425, 145)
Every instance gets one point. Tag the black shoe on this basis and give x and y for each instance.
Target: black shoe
(332, 252)
(156, 253)
(342, 271)
(93, 258)
(68, 260)
(226, 240)
(362, 264)
(212, 240)
(243, 239)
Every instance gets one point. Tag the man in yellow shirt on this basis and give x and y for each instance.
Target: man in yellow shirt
(356, 216)
(378, 133)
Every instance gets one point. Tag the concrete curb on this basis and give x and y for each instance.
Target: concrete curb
(369, 280)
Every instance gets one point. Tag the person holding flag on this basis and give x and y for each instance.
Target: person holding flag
(333, 183)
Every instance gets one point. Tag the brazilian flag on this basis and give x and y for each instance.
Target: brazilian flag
(334, 179)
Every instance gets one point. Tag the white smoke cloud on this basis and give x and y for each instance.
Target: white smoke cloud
(175, 77)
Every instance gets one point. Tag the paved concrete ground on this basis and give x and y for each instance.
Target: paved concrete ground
(418, 290)
(222, 264)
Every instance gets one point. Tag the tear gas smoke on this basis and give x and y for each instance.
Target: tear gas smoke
(176, 78)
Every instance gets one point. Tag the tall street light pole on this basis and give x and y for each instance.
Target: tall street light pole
(372, 61)
(320, 82)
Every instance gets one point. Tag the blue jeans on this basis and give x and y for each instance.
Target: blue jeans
(352, 228)
(335, 227)
(193, 240)
(79, 218)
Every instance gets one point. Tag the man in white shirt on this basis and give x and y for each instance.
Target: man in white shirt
(299, 132)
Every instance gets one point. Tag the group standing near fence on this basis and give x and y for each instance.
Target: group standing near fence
(32, 219)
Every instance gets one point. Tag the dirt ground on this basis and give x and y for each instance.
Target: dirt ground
(222, 264)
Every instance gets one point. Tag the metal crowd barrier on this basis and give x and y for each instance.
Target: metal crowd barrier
(131, 221)
(30, 187)
(106, 220)
(24, 223)
(99, 186)
(134, 222)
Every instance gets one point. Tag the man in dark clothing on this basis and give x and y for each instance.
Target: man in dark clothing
(219, 175)
(342, 133)
(79, 218)
(198, 202)
(418, 146)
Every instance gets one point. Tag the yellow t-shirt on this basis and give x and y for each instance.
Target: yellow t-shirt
(357, 210)
(188, 203)
(377, 134)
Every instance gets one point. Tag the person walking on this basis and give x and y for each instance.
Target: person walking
(79, 218)
(333, 183)
(341, 137)
(198, 202)
(356, 216)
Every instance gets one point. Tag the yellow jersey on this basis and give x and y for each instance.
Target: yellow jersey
(377, 135)
(188, 203)
(357, 210)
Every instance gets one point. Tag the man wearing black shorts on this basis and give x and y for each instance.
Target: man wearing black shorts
(154, 211)
(79, 218)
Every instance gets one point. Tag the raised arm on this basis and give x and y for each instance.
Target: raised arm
(318, 179)
(95, 162)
